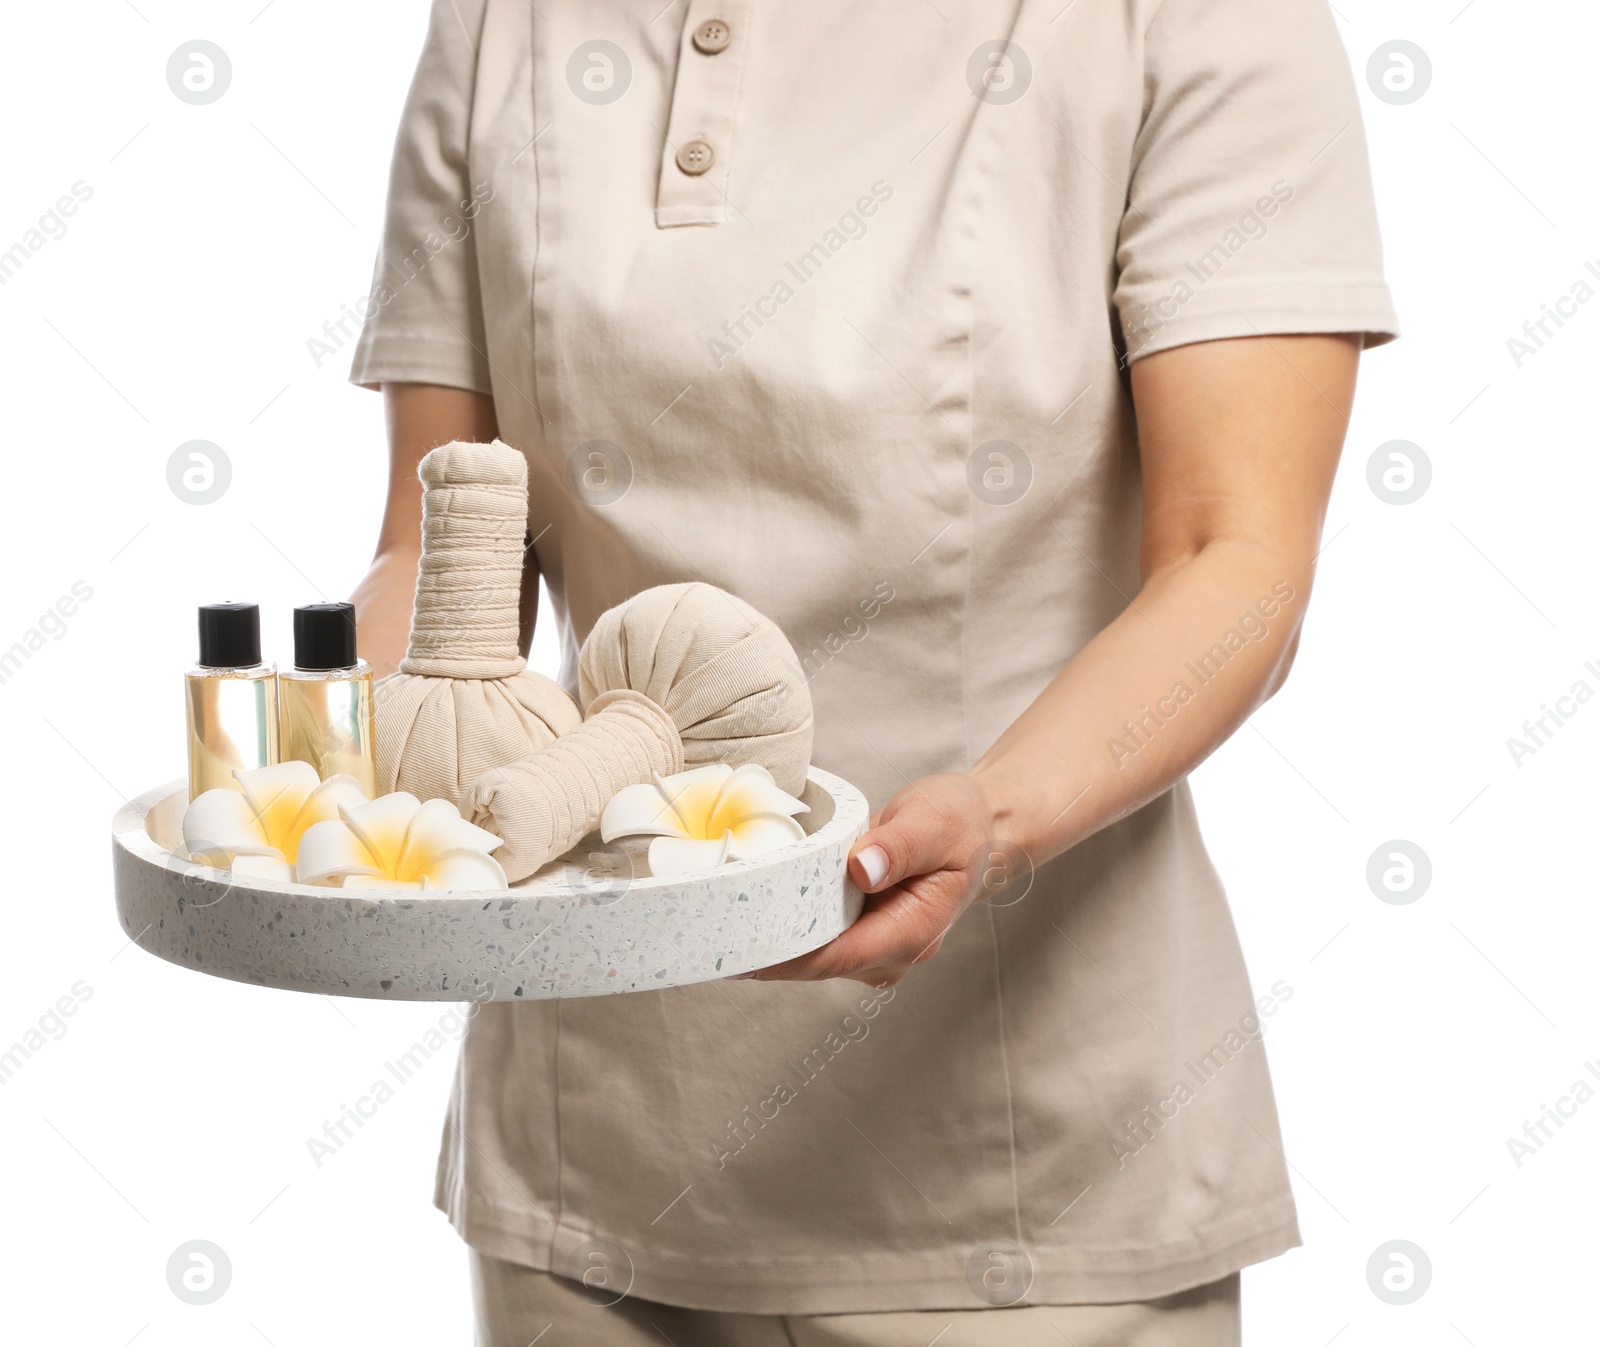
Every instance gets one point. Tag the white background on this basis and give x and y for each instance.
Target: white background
(178, 306)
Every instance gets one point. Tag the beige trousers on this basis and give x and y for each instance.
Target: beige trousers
(519, 1306)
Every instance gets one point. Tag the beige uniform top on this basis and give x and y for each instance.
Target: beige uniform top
(828, 303)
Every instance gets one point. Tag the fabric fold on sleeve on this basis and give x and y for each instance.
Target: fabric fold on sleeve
(423, 319)
(1250, 209)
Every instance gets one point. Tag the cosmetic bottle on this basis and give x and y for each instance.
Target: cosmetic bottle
(325, 708)
(231, 698)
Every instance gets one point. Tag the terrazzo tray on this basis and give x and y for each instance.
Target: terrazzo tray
(582, 926)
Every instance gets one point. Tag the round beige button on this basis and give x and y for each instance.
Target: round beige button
(712, 36)
(695, 157)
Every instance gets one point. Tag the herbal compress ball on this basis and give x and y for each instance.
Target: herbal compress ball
(680, 675)
(464, 700)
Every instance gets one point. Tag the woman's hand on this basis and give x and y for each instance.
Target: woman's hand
(383, 602)
(921, 864)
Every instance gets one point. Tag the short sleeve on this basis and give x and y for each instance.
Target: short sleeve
(1250, 207)
(424, 316)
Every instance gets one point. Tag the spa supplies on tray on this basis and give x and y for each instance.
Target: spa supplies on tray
(678, 677)
(464, 701)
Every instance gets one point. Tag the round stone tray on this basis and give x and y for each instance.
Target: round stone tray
(588, 924)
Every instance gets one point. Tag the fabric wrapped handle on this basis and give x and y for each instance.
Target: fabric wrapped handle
(469, 584)
(545, 804)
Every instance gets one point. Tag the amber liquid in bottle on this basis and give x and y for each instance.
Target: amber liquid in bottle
(230, 699)
(326, 718)
(325, 708)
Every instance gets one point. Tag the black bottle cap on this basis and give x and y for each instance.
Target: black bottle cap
(230, 635)
(325, 636)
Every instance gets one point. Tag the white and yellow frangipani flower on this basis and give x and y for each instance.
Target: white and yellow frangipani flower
(700, 818)
(255, 831)
(397, 842)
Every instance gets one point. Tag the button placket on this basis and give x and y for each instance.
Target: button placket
(698, 155)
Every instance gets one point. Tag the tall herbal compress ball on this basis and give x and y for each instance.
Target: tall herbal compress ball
(464, 701)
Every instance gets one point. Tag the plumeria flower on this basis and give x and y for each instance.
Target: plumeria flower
(256, 831)
(397, 842)
(700, 818)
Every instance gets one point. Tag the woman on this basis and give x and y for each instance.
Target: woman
(853, 310)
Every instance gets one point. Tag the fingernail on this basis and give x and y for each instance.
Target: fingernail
(874, 864)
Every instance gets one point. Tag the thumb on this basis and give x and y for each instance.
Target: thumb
(909, 843)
